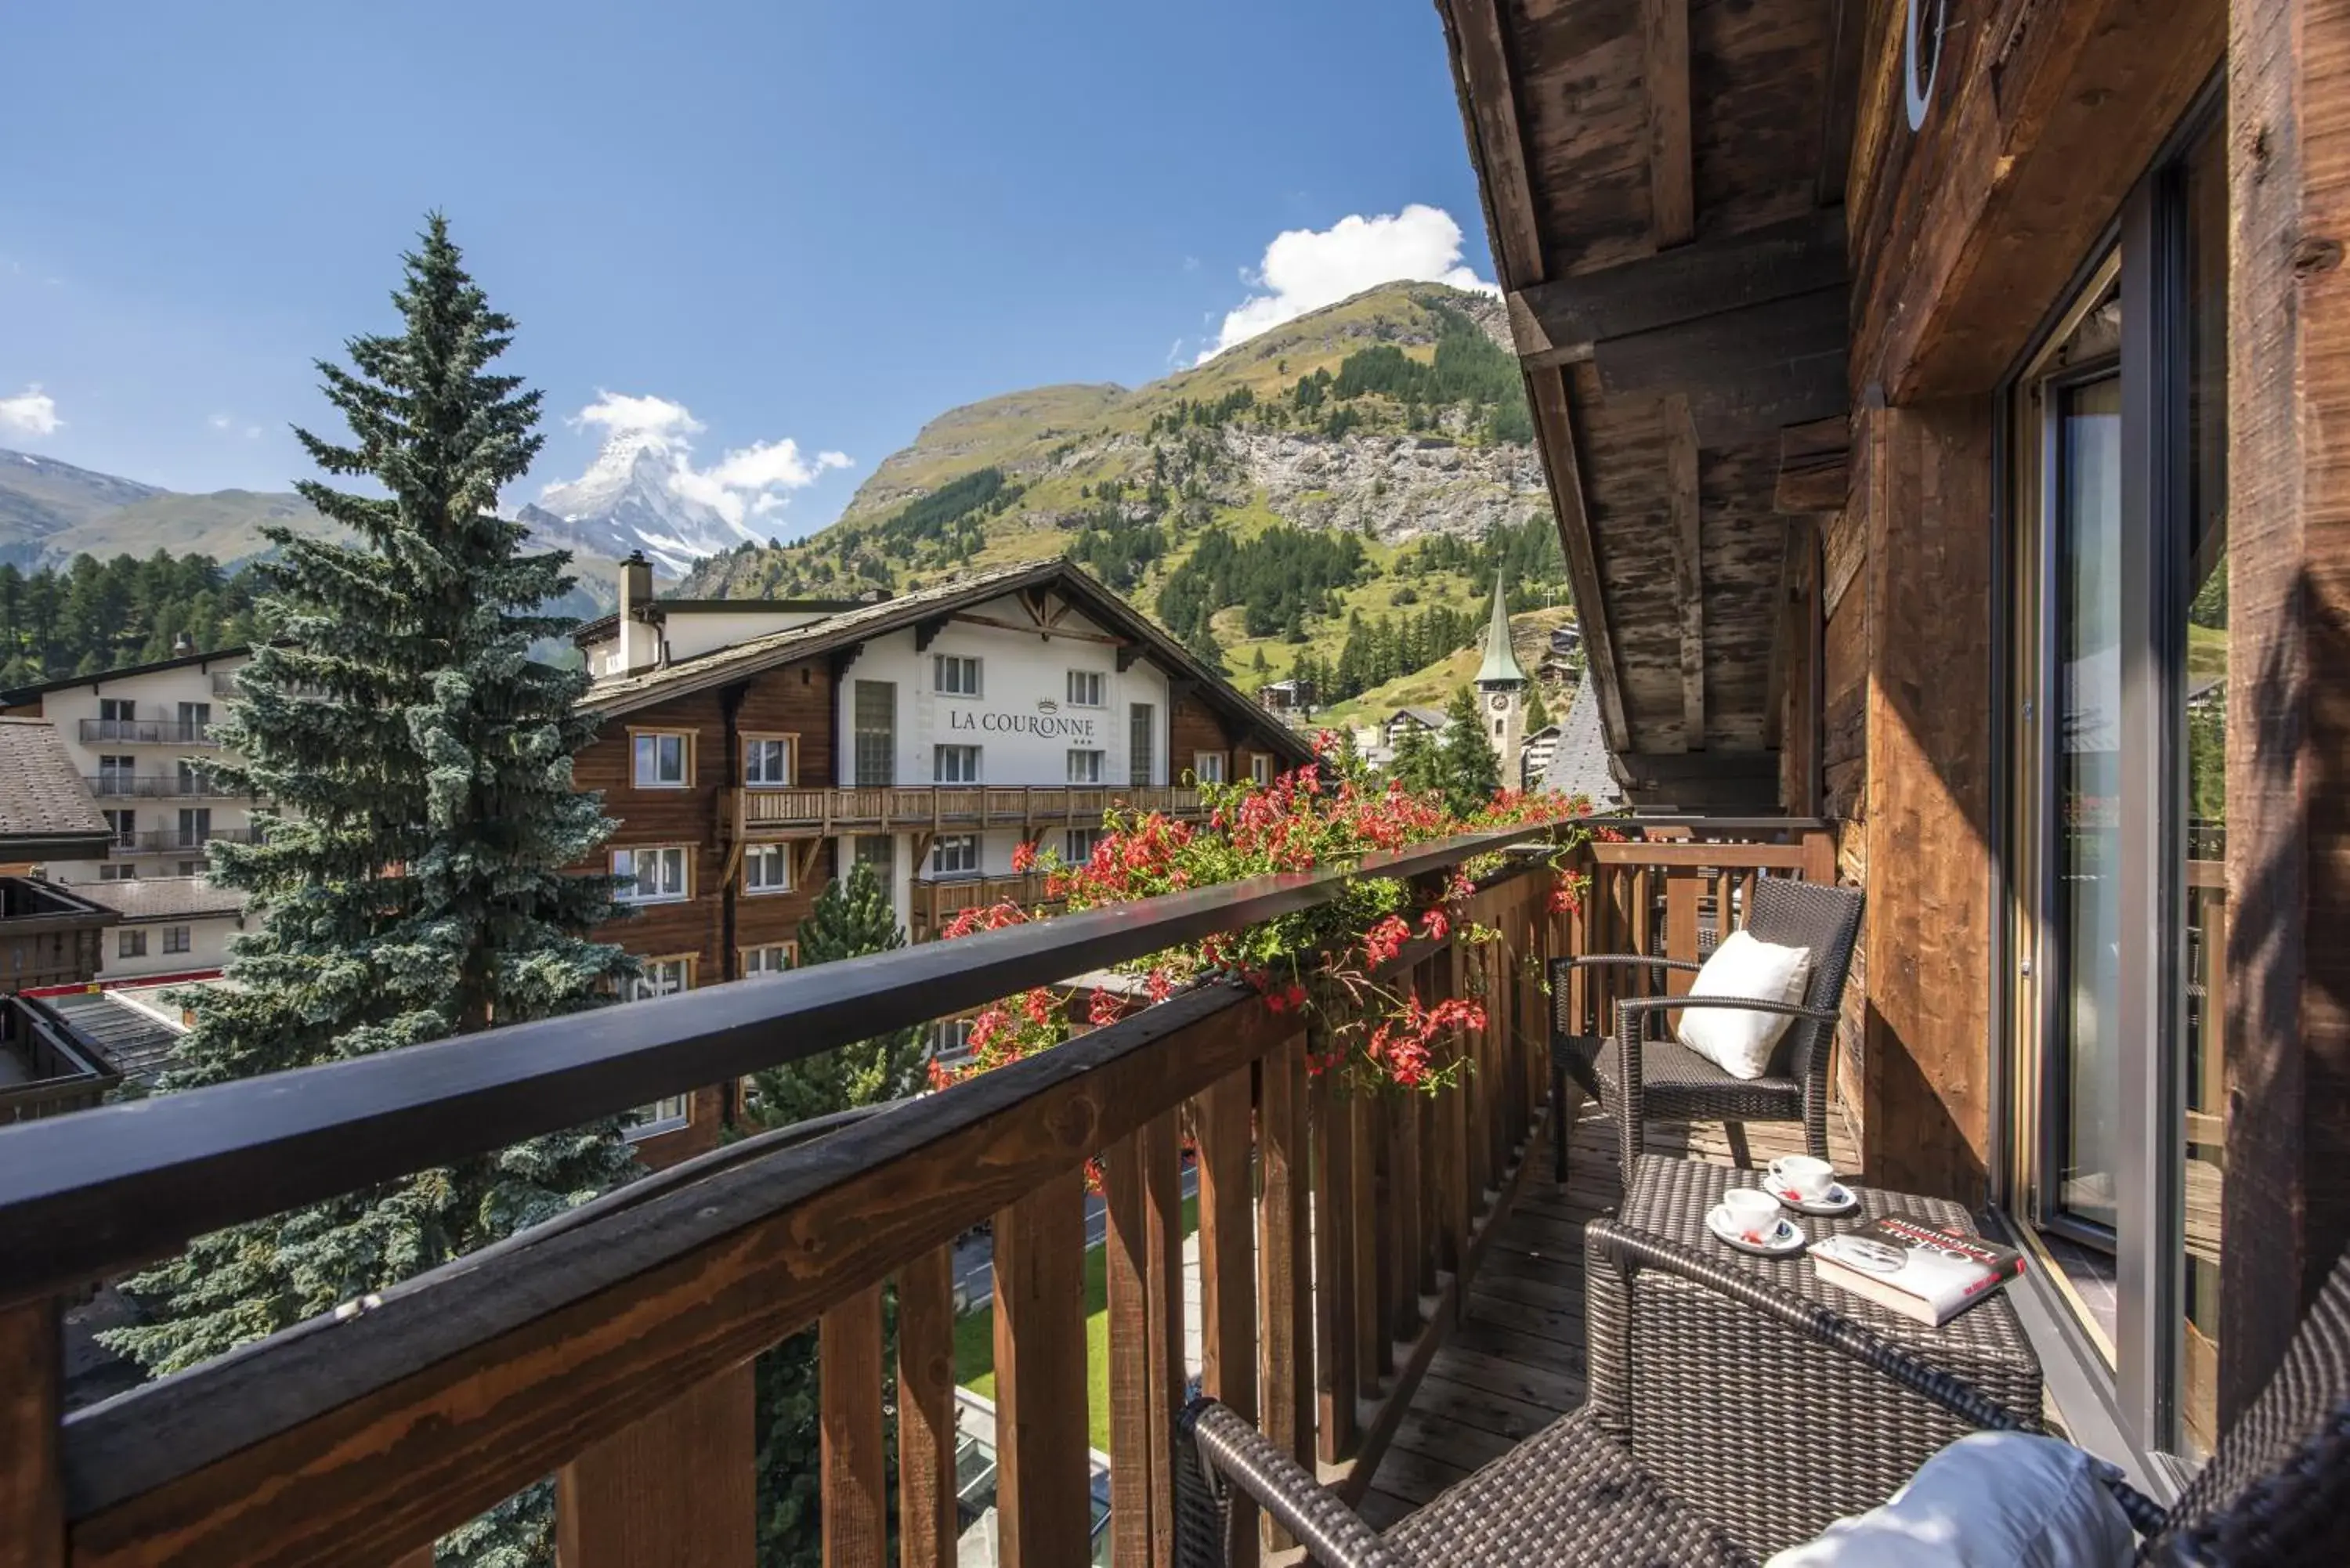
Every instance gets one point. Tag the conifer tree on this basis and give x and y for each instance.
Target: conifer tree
(851, 917)
(1417, 761)
(1537, 710)
(411, 883)
(1472, 772)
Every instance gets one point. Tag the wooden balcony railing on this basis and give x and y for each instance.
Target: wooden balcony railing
(935, 903)
(194, 783)
(820, 813)
(48, 936)
(50, 1074)
(613, 1347)
(164, 840)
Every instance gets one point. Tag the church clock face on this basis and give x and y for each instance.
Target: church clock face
(1501, 702)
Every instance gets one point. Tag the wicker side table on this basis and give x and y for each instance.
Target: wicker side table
(1779, 1437)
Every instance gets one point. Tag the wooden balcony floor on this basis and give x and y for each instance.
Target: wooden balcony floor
(1514, 1362)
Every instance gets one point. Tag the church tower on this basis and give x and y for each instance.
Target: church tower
(1502, 690)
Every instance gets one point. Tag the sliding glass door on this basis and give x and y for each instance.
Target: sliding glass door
(2114, 854)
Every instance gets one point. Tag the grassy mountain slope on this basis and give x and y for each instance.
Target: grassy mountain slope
(1394, 420)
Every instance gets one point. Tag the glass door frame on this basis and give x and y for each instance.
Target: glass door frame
(2146, 245)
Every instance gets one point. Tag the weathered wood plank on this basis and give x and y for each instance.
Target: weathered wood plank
(32, 1382)
(677, 1489)
(1374, 1345)
(855, 1470)
(1285, 1283)
(1558, 322)
(1490, 108)
(1160, 1149)
(1228, 1320)
(1127, 1267)
(1334, 1269)
(926, 1411)
(1682, 525)
(1554, 419)
(1044, 1504)
(685, 1286)
(1665, 70)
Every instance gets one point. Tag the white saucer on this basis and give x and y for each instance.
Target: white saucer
(1787, 1239)
(1839, 1200)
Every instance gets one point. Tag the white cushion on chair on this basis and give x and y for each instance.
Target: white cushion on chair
(1994, 1499)
(1737, 1042)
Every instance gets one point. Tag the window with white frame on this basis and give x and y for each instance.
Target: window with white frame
(1208, 767)
(767, 762)
(955, 854)
(1086, 689)
(662, 977)
(112, 873)
(1260, 768)
(179, 938)
(955, 765)
(950, 1039)
(656, 876)
(131, 944)
(1077, 843)
(664, 759)
(1085, 767)
(774, 958)
(124, 825)
(954, 674)
(665, 1115)
(767, 869)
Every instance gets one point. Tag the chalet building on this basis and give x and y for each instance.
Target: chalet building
(930, 735)
(1935, 403)
(48, 938)
(137, 739)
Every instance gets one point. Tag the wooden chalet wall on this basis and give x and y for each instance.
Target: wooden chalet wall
(1192, 727)
(717, 922)
(1962, 234)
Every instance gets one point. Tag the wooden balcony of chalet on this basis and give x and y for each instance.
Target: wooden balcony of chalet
(938, 900)
(769, 813)
(1389, 1284)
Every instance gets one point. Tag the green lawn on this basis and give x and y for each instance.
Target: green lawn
(976, 1339)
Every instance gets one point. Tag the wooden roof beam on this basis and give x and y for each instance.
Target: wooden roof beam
(1683, 532)
(1546, 392)
(1746, 371)
(1672, 184)
(1565, 320)
(1497, 147)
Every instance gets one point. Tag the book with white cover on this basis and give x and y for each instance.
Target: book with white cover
(1921, 1271)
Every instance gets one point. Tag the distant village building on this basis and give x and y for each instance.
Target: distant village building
(1563, 659)
(1431, 721)
(138, 741)
(1534, 759)
(1285, 697)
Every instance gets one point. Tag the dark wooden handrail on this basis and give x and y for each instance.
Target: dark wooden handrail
(90, 1194)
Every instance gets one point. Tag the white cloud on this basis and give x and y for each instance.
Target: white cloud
(657, 418)
(222, 421)
(1305, 269)
(32, 410)
(747, 482)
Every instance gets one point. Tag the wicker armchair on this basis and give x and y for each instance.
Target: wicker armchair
(1642, 1073)
(2276, 1493)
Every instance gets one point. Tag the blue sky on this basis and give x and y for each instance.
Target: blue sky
(747, 223)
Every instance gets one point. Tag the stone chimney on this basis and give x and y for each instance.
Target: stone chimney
(639, 636)
(183, 645)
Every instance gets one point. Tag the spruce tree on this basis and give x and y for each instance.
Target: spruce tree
(851, 917)
(1537, 710)
(1471, 770)
(1417, 764)
(411, 883)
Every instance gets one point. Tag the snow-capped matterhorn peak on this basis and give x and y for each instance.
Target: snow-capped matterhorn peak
(631, 498)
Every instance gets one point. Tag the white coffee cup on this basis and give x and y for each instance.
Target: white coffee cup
(1809, 1178)
(1753, 1215)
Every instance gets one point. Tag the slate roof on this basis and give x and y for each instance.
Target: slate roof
(622, 693)
(45, 811)
(144, 899)
(1580, 764)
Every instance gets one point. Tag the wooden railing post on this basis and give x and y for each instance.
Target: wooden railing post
(1334, 1268)
(926, 1411)
(1043, 1497)
(32, 1385)
(1284, 1284)
(1227, 1274)
(677, 1489)
(854, 1470)
(1374, 1347)
(1143, 1247)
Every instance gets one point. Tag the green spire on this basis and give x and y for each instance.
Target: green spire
(1501, 665)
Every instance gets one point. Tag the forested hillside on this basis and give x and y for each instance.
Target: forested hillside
(97, 615)
(1332, 499)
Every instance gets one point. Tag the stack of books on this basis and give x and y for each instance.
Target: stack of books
(1916, 1269)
